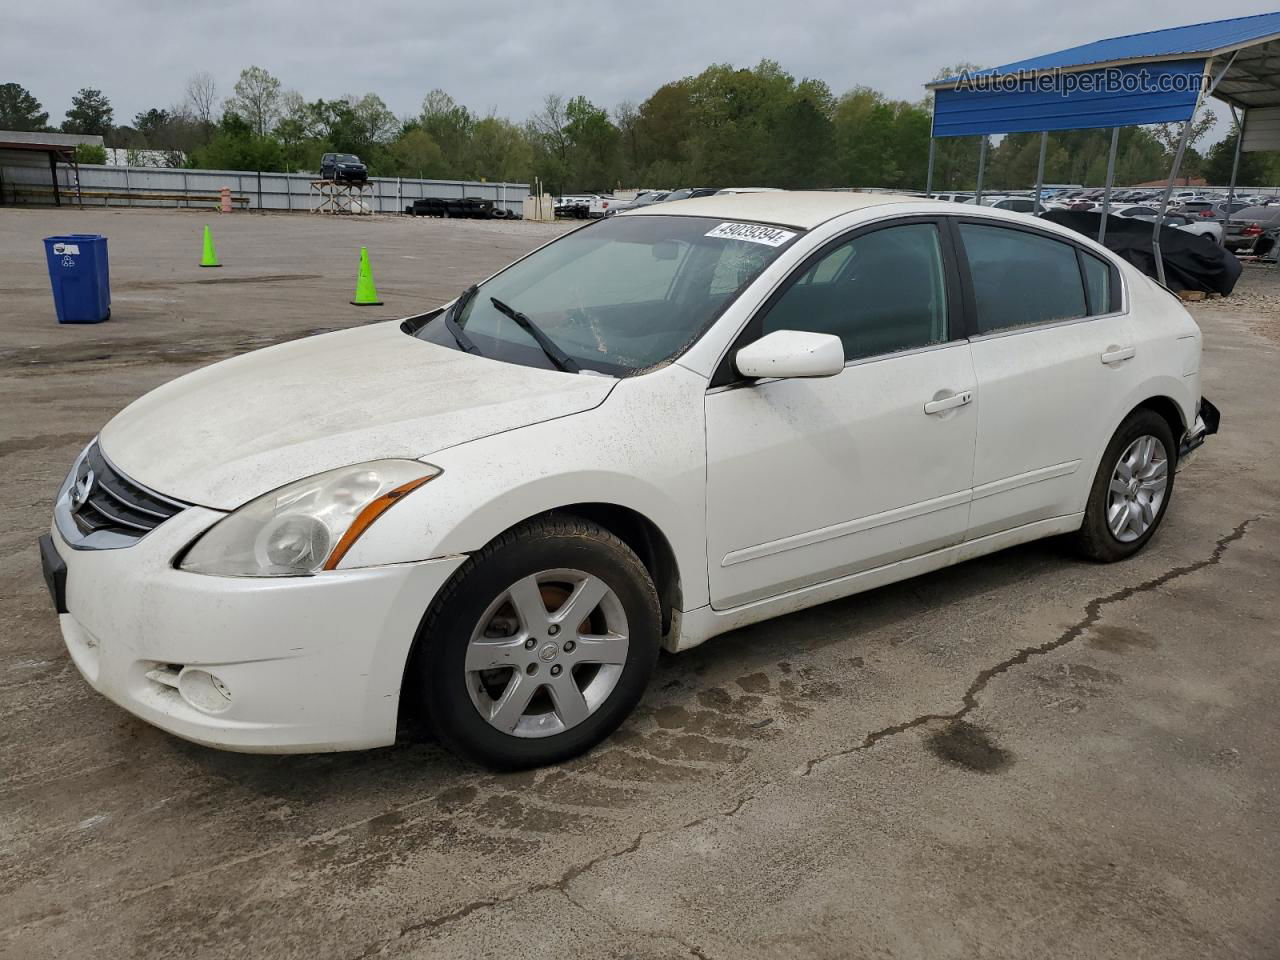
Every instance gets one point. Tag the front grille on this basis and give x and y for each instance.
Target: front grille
(103, 498)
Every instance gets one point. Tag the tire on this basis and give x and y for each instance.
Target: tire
(495, 673)
(1096, 538)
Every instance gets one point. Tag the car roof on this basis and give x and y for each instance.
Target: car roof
(793, 208)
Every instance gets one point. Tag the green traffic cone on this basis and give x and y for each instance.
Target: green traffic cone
(210, 256)
(366, 292)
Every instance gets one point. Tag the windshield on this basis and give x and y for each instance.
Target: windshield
(621, 295)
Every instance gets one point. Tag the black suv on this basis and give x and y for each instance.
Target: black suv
(342, 166)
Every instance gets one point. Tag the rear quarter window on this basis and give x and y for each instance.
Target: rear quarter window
(1099, 285)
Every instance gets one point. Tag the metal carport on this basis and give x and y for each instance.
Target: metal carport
(56, 146)
(1162, 76)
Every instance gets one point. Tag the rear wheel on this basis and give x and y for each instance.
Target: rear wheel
(539, 646)
(1131, 490)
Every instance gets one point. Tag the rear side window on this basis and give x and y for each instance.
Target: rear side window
(1097, 281)
(1020, 278)
(880, 292)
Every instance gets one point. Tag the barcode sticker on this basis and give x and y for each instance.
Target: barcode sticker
(752, 233)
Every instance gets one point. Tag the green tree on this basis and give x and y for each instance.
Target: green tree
(153, 124)
(257, 99)
(359, 125)
(19, 110)
(955, 165)
(236, 146)
(664, 129)
(91, 153)
(90, 114)
(415, 154)
(1254, 170)
(593, 145)
(449, 125)
(801, 127)
(499, 151)
(731, 126)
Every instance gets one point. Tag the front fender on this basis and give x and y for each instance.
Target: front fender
(643, 449)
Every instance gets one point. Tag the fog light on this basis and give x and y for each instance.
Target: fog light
(204, 691)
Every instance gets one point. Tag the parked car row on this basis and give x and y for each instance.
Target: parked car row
(596, 205)
(1196, 216)
(1254, 231)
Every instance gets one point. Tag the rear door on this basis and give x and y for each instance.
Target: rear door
(809, 480)
(1051, 347)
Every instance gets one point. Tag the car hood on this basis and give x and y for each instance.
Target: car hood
(229, 432)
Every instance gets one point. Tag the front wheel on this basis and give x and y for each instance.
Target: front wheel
(1131, 490)
(539, 646)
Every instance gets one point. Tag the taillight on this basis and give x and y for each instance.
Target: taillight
(1252, 230)
(1206, 213)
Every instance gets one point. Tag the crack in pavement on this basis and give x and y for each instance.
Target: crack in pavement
(1092, 614)
(560, 886)
(969, 703)
(693, 950)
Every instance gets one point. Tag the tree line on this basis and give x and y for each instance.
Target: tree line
(726, 126)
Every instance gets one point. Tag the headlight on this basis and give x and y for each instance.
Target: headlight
(305, 526)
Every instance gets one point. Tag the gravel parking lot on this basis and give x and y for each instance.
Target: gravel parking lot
(1024, 756)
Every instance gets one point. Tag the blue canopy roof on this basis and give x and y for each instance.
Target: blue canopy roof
(1197, 40)
(1153, 77)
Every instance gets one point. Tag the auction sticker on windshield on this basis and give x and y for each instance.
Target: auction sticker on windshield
(752, 233)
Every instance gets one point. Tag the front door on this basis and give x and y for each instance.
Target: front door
(809, 480)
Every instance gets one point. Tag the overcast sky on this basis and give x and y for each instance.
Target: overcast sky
(504, 55)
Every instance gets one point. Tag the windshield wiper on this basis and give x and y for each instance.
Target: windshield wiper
(553, 352)
(451, 324)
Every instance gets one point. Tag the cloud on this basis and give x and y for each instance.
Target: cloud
(504, 55)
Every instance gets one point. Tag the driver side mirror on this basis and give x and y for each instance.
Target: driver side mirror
(791, 353)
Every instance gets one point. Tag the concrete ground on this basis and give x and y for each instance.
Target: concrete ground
(1024, 756)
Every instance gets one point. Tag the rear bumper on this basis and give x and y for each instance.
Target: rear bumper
(1262, 246)
(1207, 420)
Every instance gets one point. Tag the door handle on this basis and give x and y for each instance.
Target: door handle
(1117, 354)
(949, 403)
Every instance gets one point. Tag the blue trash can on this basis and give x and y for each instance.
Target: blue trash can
(80, 277)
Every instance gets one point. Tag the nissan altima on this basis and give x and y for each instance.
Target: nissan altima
(650, 431)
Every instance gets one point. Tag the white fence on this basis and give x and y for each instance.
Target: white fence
(166, 187)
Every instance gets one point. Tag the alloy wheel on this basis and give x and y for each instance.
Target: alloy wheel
(547, 653)
(1137, 490)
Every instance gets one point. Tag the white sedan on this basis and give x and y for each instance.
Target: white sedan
(1200, 226)
(653, 430)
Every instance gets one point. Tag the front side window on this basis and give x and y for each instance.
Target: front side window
(880, 292)
(621, 295)
(1021, 278)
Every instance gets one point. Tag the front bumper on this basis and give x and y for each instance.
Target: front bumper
(302, 664)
